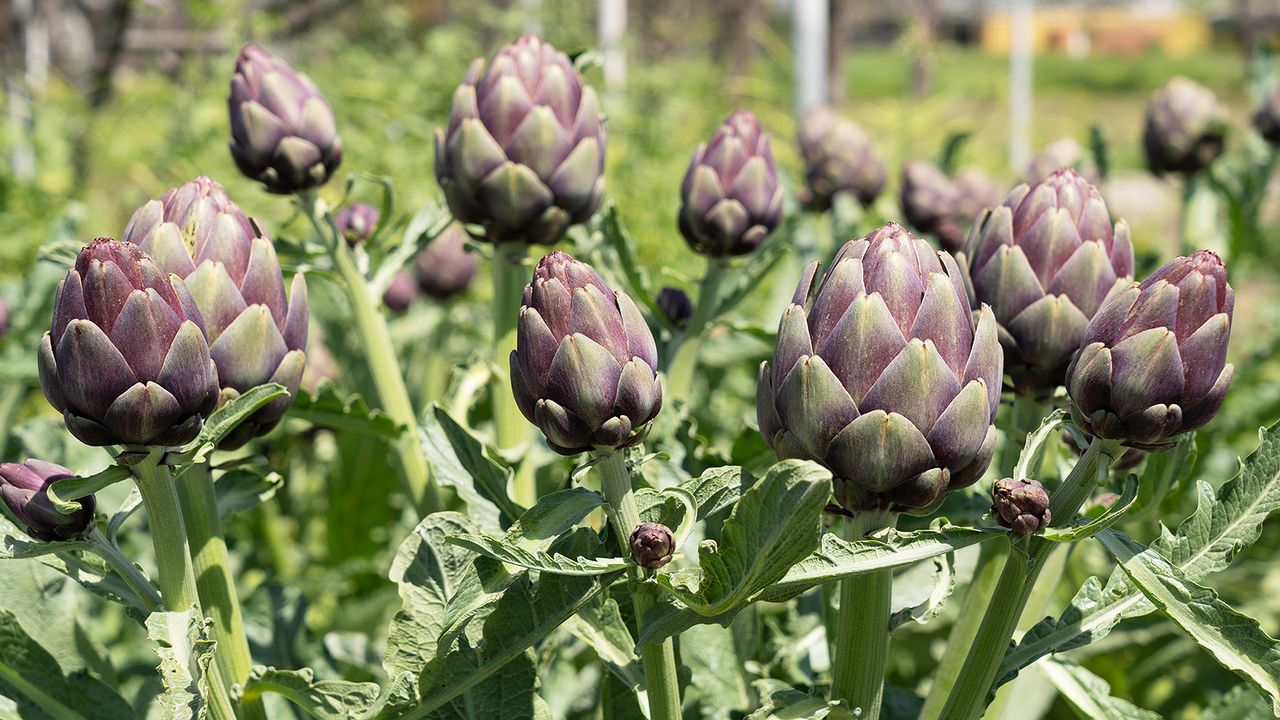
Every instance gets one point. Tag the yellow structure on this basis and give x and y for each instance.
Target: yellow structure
(1079, 31)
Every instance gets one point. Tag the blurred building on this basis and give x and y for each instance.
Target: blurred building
(1116, 28)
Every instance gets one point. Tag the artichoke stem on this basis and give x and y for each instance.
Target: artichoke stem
(124, 567)
(862, 627)
(510, 275)
(175, 577)
(684, 351)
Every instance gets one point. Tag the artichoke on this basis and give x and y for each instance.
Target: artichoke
(975, 191)
(126, 362)
(1044, 261)
(675, 306)
(444, 267)
(1061, 153)
(1267, 118)
(257, 332)
(401, 293)
(1154, 361)
(929, 201)
(730, 199)
(652, 545)
(523, 154)
(885, 376)
(584, 370)
(282, 130)
(838, 157)
(25, 490)
(1020, 505)
(1184, 129)
(356, 222)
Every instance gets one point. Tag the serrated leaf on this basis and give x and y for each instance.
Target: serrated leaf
(1240, 703)
(787, 703)
(545, 562)
(1032, 455)
(1090, 695)
(326, 408)
(243, 489)
(1235, 640)
(322, 699)
(717, 685)
(1109, 517)
(65, 492)
(229, 417)
(942, 583)
(600, 625)
(32, 679)
(183, 643)
(460, 461)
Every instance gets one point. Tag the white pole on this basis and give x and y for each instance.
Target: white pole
(613, 28)
(810, 19)
(532, 16)
(1020, 76)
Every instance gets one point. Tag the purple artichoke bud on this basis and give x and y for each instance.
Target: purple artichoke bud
(1185, 128)
(838, 157)
(1267, 118)
(652, 545)
(1154, 361)
(975, 191)
(585, 365)
(885, 376)
(1044, 261)
(929, 200)
(730, 199)
(282, 129)
(401, 293)
(356, 222)
(126, 362)
(1061, 153)
(25, 490)
(675, 306)
(523, 154)
(4, 318)
(444, 267)
(257, 332)
(1020, 505)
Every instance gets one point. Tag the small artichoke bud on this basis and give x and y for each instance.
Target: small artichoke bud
(1185, 128)
(675, 306)
(584, 370)
(730, 199)
(1020, 505)
(1064, 152)
(1267, 118)
(523, 153)
(838, 157)
(445, 267)
(1154, 359)
(652, 545)
(127, 361)
(929, 201)
(282, 130)
(25, 490)
(401, 293)
(356, 222)
(4, 318)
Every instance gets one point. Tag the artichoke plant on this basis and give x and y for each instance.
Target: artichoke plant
(584, 370)
(1044, 261)
(1184, 129)
(282, 130)
(444, 267)
(1154, 361)
(523, 154)
(730, 199)
(126, 361)
(257, 332)
(652, 545)
(838, 157)
(1064, 152)
(356, 222)
(675, 306)
(1266, 120)
(885, 376)
(24, 487)
(401, 293)
(1020, 505)
(929, 200)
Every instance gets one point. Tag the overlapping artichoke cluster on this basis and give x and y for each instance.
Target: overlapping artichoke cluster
(839, 158)
(942, 206)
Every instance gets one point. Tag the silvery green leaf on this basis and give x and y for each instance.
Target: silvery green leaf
(228, 417)
(37, 686)
(718, 686)
(1090, 695)
(182, 641)
(783, 702)
(460, 461)
(1109, 517)
(600, 625)
(350, 413)
(321, 699)
(1240, 703)
(64, 493)
(513, 554)
(1032, 454)
(940, 583)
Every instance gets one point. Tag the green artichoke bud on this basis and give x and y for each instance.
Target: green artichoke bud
(730, 199)
(1044, 261)
(444, 267)
(838, 157)
(1185, 128)
(282, 130)
(885, 376)
(1267, 118)
(25, 490)
(929, 200)
(584, 370)
(126, 361)
(675, 306)
(1154, 361)
(1020, 505)
(257, 332)
(401, 293)
(652, 545)
(356, 222)
(523, 153)
(1064, 152)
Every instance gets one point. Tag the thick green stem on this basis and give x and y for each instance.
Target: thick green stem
(164, 515)
(973, 685)
(687, 347)
(214, 584)
(862, 628)
(124, 567)
(510, 275)
(657, 659)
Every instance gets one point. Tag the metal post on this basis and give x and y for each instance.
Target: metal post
(1020, 76)
(809, 45)
(613, 28)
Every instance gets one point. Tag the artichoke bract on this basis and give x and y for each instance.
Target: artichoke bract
(1185, 128)
(523, 154)
(730, 199)
(1267, 118)
(884, 376)
(1020, 505)
(1154, 361)
(356, 222)
(444, 267)
(25, 490)
(401, 293)
(929, 200)
(584, 370)
(675, 306)
(1064, 152)
(1044, 261)
(126, 361)
(652, 545)
(838, 157)
(257, 332)
(282, 129)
